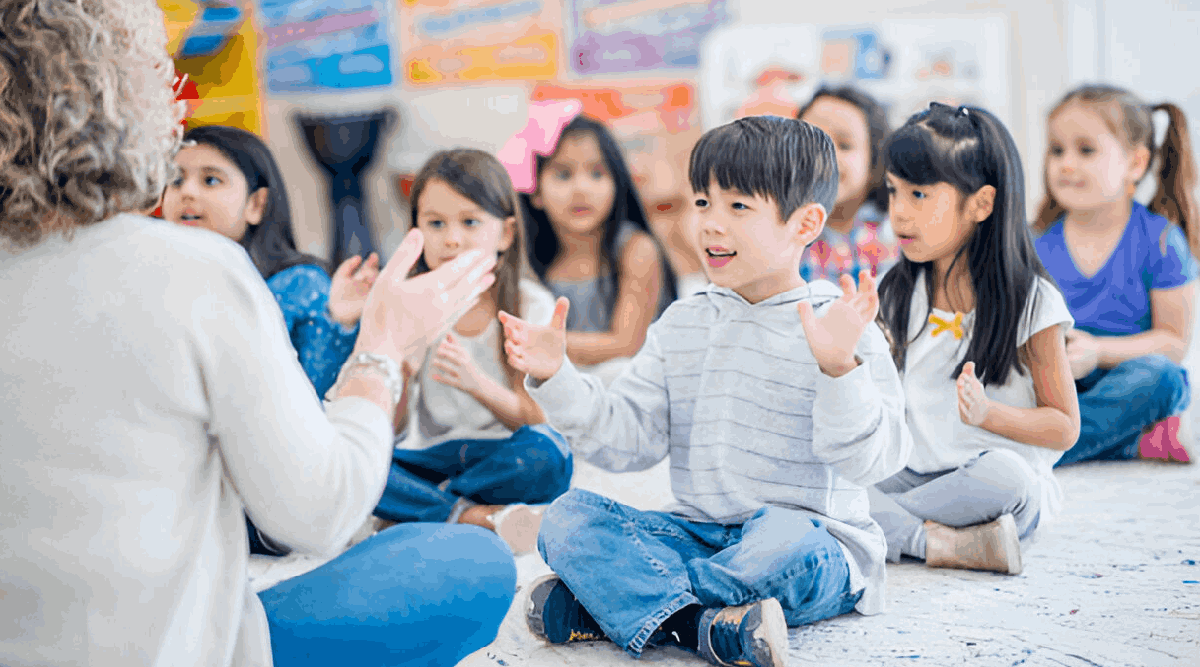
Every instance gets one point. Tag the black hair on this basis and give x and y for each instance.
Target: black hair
(969, 148)
(788, 161)
(542, 243)
(270, 244)
(877, 133)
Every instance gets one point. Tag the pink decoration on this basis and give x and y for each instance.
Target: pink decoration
(546, 123)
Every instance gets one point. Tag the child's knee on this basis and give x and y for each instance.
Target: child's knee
(1006, 470)
(545, 458)
(571, 514)
(1155, 372)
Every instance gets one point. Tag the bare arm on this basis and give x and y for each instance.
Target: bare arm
(1054, 423)
(637, 302)
(1171, 330)
(513, 407)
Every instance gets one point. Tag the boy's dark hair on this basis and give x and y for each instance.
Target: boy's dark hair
(788, 161)
(968, 148)
(543, 244)
(877, 133)
(270, 244)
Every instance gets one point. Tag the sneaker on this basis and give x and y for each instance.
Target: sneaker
(993, 547)
(753, 634)
(556, 616)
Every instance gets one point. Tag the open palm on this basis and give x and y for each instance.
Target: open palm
(834, 336)
(537, 351)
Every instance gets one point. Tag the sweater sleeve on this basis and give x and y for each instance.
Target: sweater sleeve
(306, 477)
(859, 424)
(621, 429)
(322, 344)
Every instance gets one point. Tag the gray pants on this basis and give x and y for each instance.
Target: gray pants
(995, 483)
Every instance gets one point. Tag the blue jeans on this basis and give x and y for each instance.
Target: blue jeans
(632, 569)
(418, 595)
(1115, 404)
(531, 466)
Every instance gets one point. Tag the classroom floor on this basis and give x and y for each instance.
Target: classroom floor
(1115, 582)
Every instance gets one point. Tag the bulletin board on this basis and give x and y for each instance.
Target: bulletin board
(215, 45)
(903, 63)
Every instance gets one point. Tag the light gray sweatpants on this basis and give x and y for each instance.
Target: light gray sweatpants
(995, 483)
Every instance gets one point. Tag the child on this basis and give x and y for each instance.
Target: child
(589, 241)
(478, 446)
(230, 183)
(1127, 271)
(857, 235)
(773, 421)
(977, 330)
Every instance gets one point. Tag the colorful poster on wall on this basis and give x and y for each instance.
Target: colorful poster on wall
(448, 41)
(622, 36)
(214, 44)
(325, 45)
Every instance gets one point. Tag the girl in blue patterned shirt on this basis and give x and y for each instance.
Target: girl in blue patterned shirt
(229, 183)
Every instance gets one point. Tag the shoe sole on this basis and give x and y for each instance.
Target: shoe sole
(539, 592)
(1011, 542)
(769, 640)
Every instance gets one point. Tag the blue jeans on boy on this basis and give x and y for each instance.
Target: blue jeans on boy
(632, 569)
(1115, 404)
(416, 595)
(532, 466)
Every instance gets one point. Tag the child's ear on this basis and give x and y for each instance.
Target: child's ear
(1139, 165)
(509, 234)
(255, 206)
(982, 203)
(810, 220)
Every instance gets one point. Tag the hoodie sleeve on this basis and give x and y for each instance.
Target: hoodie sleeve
(859, 426)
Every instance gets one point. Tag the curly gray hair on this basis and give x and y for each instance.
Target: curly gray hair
(88, 117)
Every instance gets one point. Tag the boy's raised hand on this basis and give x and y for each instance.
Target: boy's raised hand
(535, 350)
(834, 335)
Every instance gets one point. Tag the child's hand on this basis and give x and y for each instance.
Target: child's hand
(351, 283)
(534, 350)
(455, 367)
(834, 336)
(1082, 353)
(973, 403)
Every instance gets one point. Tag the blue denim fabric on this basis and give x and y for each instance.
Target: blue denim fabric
(322, 344)
(1116, 404)
(532, 466)
(417, 595)
(632, 569)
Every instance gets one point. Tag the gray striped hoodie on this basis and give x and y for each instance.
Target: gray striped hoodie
(732, 393)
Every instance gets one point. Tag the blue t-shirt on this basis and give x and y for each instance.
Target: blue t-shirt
(1116, 301)
(322, 344)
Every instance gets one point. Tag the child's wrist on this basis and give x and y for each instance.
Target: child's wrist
(839, 367)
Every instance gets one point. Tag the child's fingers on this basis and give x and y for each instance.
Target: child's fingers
(559, 320)
(866, 281)
(807, 318)
(969, 369)
(847, 283)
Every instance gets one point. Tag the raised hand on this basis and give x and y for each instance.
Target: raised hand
(351, 284)
(833, 337)
(537, 351)
(455, 367)
(402, 315)
(973, 403)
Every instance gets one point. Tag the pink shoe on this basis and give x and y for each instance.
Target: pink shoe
(1162, 442)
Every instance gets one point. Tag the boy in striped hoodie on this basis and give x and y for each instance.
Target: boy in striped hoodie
(776, 419)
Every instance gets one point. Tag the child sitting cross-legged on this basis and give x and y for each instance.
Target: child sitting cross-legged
(775, 421)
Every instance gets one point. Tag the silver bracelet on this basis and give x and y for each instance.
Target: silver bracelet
(380, 363)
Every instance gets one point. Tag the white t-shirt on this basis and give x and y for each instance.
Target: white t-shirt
(941, 441)
(439, 413)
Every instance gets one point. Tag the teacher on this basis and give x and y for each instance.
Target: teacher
(150, 397)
